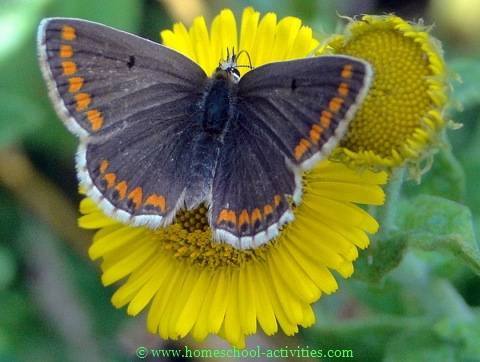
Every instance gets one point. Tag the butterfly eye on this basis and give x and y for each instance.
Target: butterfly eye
(235, 74)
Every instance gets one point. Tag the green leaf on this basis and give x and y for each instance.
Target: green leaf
(15, 310)
(384, 297)
(384, 255)
(464, 334)
(9, 215)
(421, 347)
(434, 223)
(367, 337)
(18, 117)
(446, 177)
(18, 18)
(8, 267)
(122, 14)
(471, 163)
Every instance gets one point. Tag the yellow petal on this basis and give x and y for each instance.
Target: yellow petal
(95, 221)
(219, 302)
(201, 44)
(286, 32)
(263, 305)
(150, 288)
(318, 273)
(302, 45)
(135, 282)
(290, 306)
(248, 30)
(128, 264)
(246, 302)
(223, 35)
(114, 240)
(200, 330)
(294, 277)
(262, 46)
(190, 312)
(232, 316)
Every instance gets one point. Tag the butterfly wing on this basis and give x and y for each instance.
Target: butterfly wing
(250, 188)
(133, 103)
(99, 76)
(289, 116)
(304, 106)
(140, 178)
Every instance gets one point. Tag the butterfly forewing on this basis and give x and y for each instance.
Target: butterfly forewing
(304, 106)
(99, 76)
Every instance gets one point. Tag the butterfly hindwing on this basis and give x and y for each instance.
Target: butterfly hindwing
(139, 177)
(250, 189)
(134, 104)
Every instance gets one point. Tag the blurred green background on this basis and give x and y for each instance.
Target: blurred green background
(416, 293)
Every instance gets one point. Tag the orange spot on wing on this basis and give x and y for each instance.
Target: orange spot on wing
(267, 210)
(325, 119)
(66, 51)
(256, 215)
(343, 89)
(335, 104)
(277, 200)
(227, 216)
(158, 201)
(83, 101)
(68, 32)
(315, 133)
(110, 178)
(103, 166)
(347, 71)
(122, 189)
(301, 148)
(74, 84)
(136, 196)
(244, 218)
(69, 68)
(95, 118)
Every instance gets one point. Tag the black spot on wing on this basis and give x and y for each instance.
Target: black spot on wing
(131, 62)
(293, 85)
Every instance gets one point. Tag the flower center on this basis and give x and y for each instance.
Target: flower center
(398, 98)
(190, 238)
(193, 220)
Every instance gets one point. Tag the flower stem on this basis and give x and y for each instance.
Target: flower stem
(387, 213)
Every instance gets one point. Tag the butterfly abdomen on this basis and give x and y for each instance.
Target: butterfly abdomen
(205, 148)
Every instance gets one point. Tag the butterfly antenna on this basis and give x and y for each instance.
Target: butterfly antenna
(249, 59)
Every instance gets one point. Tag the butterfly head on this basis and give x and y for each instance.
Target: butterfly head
(228, 68)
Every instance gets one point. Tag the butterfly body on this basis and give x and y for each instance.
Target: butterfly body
(218, 104)
(158, 135)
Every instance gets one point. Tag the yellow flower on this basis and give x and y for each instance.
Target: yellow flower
(402, 114)
(265, 41)
(194, 285)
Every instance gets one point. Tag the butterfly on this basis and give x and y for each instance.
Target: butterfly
(158, 134)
